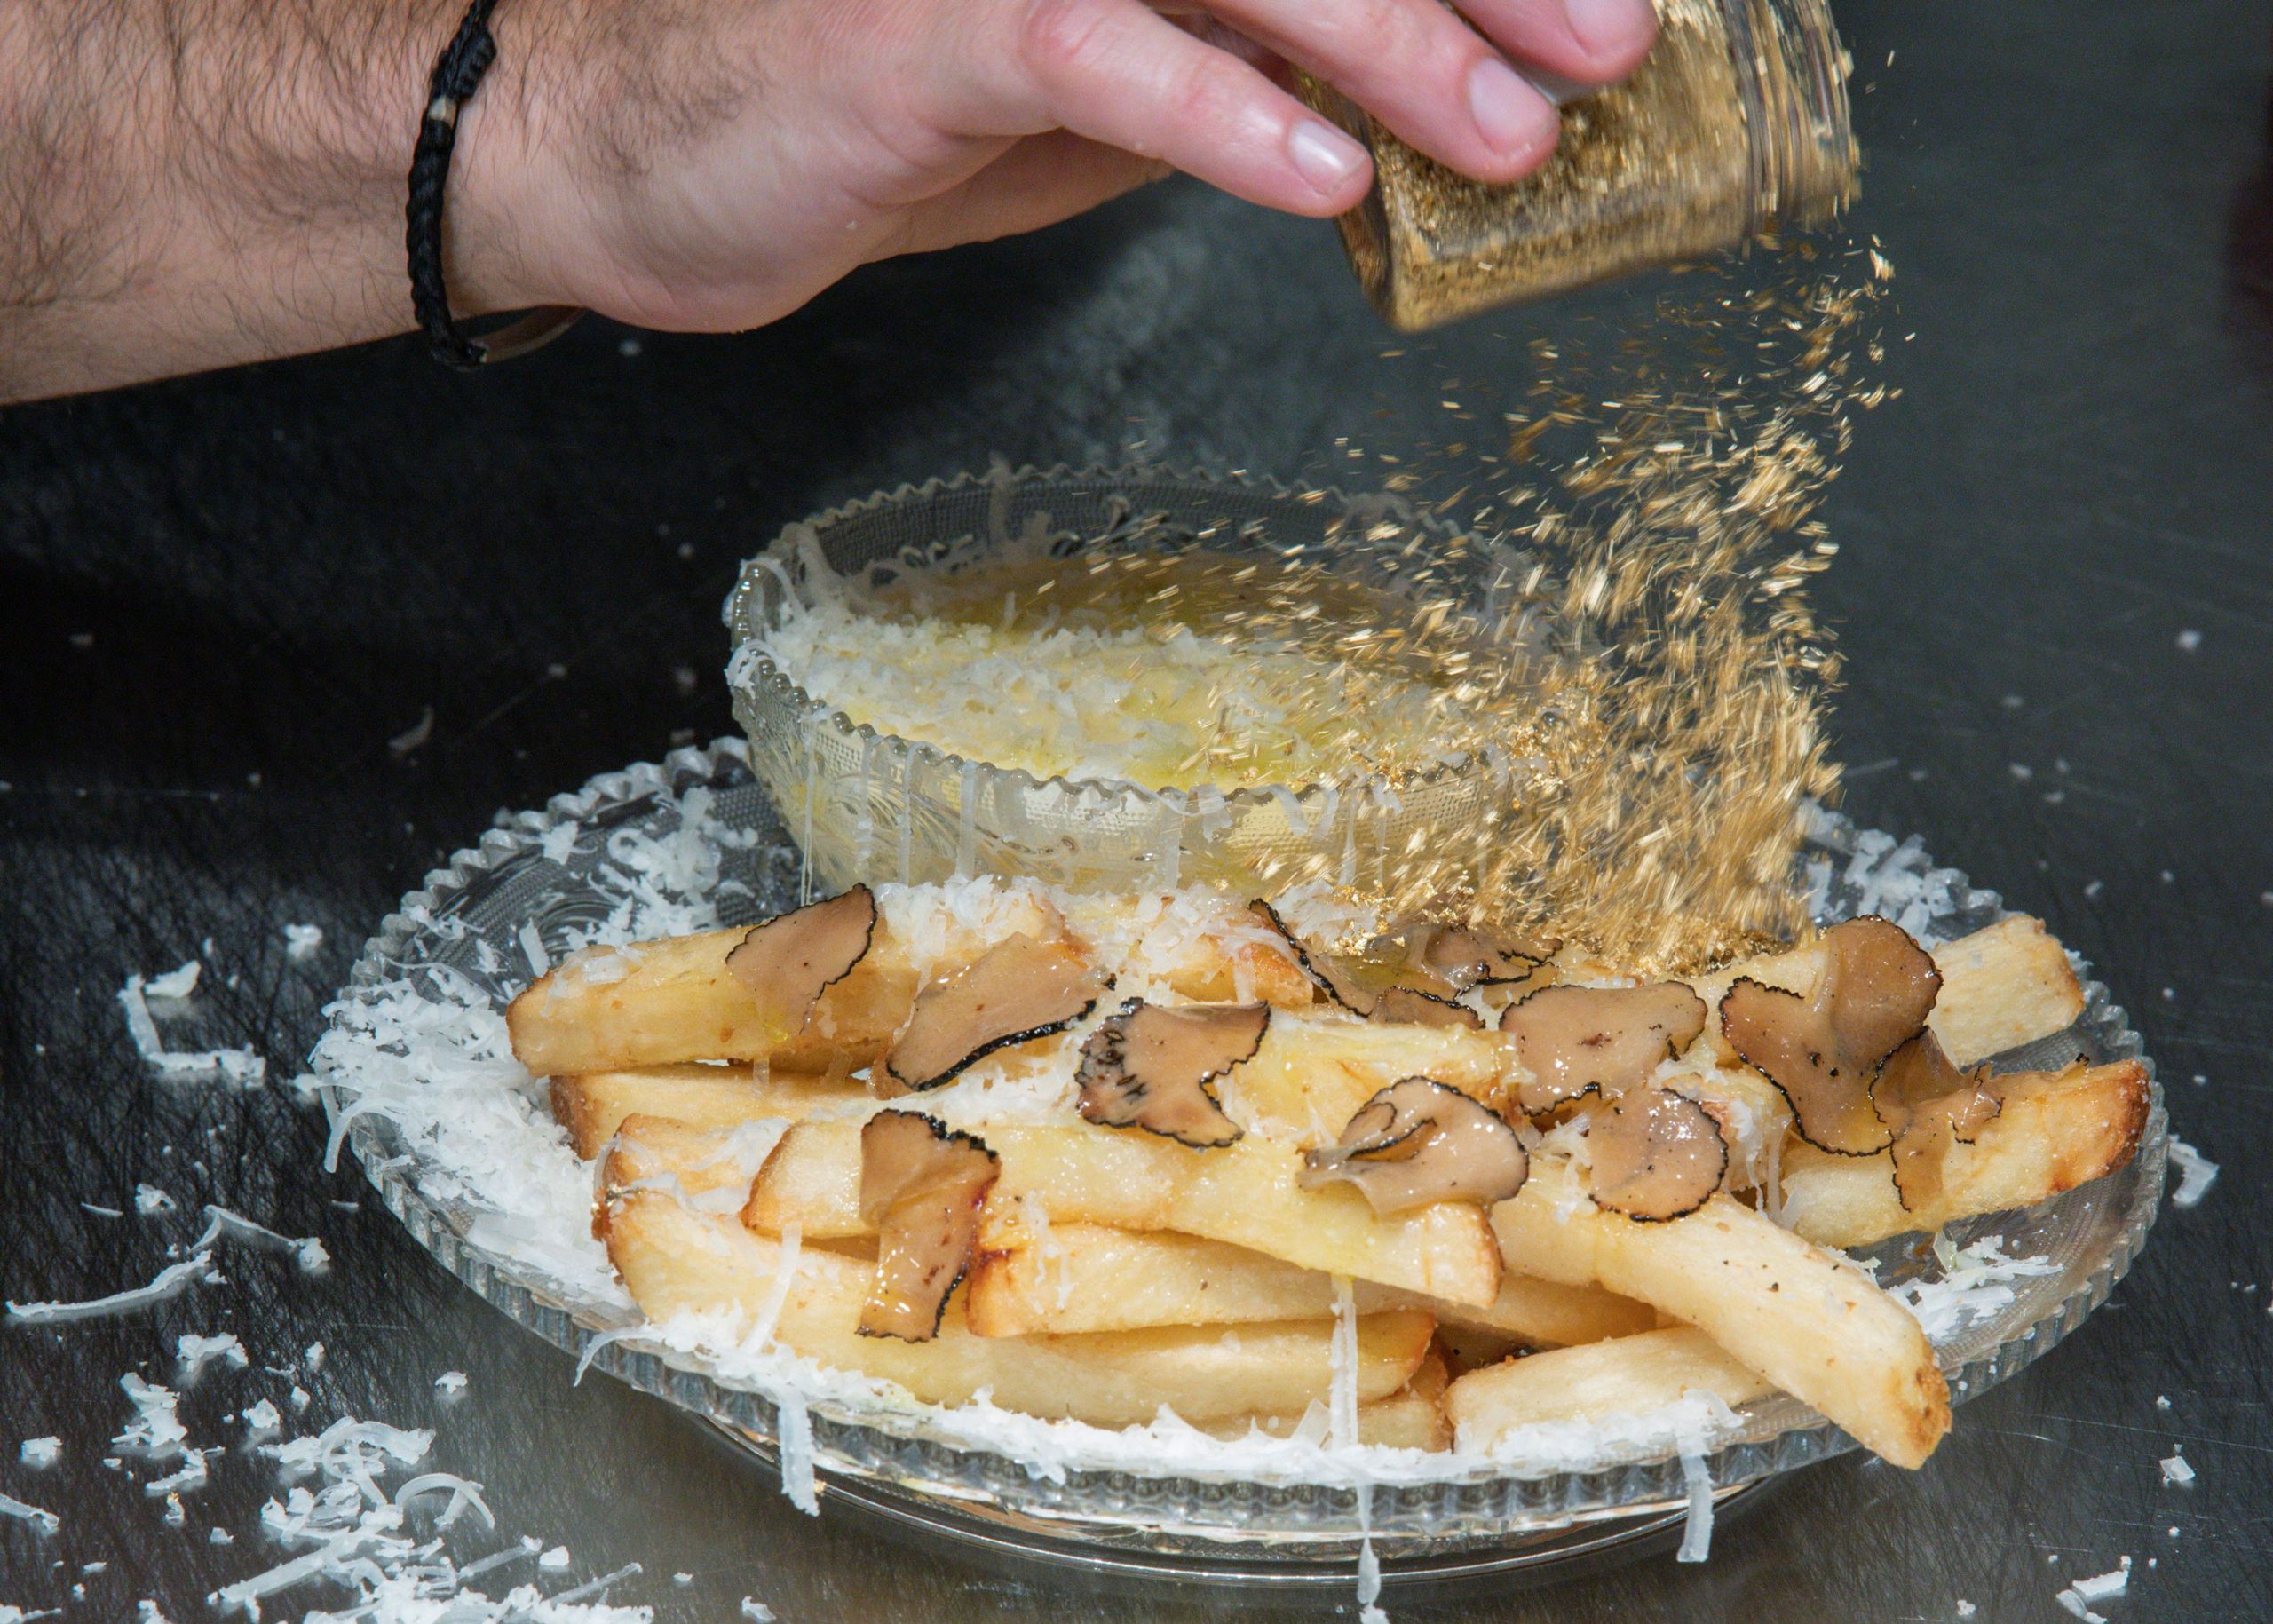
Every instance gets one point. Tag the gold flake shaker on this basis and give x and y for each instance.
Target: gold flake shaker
(1734, 127)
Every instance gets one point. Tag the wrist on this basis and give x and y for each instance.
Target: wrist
(503, 197)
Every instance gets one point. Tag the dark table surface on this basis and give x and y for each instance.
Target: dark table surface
(219, 598)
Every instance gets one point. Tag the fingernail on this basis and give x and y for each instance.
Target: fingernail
(1611, 27)
(1326, 157)
(1512, 114)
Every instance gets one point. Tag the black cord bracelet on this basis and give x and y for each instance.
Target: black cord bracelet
(458, 74)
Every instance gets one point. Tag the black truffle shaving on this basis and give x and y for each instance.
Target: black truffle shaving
(922, 1184)
(1150, 1066)
(805, 931)
(947, 1033)
(1418, 1007)
(1318, 978)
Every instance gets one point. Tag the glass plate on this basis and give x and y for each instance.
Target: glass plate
(898, 1461)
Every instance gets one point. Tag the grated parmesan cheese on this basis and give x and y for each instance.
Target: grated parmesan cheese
(239, 1066)
(193, 1352)
(175, 983)
(1342, 1391)
(1975, 1282)
(2196, 1173)
(417, 734)
(41, 1521)
(1369, 1562)
(1097, 682)
(2077, 1597)
(463, 1493)
(1697, 1531)
(155, 1432)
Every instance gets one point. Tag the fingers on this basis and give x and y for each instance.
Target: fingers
(1445, 86)
(1588, 41)
(1421, 70)
(1116, 72)
(1040, 181)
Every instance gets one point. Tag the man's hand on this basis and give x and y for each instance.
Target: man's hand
(197, 182)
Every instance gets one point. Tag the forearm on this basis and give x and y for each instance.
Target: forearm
(189, 183)
(186, 184)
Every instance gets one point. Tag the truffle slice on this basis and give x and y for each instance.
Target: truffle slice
(1930, 1105)
(1416, 1008)
(1655, 1153)
(1824, 1051)
(1418, 1142)
(921, 1185)
(1149, 1067)
(1019, 989)
(1340, 990)
(1609, 1038)
(1475, 955)
(791, 960)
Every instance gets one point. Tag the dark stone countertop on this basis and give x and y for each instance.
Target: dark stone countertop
(220, 597)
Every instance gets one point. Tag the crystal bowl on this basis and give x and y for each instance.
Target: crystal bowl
(550, 871)
(867, 805)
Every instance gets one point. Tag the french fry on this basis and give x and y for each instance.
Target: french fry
(2057, 1130)
(1091, 1278)
(691, 1162)
(1411, 1419)
(661, 1003)
(673, 1260)
(2003, 987)
(1314, 1070)
(678, 1002)
(592, 1106)
(1811, 1323)
(1244, 1193)
(1631, 1375)
(2006, 984)
(1233, 964)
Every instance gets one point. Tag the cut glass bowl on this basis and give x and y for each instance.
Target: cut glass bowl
(865, 805)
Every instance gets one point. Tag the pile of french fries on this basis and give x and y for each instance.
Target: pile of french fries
(1101, 1270)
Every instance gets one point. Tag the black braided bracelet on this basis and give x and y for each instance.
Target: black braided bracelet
(458, 74)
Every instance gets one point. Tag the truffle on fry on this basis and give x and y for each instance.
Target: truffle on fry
(1150, 1065)
(791, 960)
(1020, 989)
(1654, 1153)
(1824, 1051)
(921, 1185)
(1418, 1142)
(1609, 1038)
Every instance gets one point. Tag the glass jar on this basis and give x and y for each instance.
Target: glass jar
(1735, 125)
